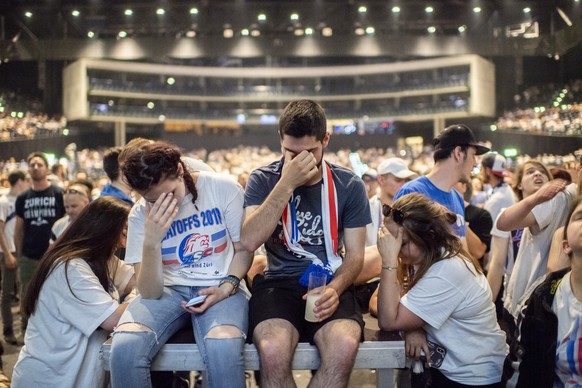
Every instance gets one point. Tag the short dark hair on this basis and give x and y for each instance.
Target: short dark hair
(303, 118)
(15, 176)
(37, 155)
(111, 163)
(445, 153)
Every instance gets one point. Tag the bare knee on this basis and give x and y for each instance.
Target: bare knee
(131, 326)
(341, 337)
(276, 341)
(224, 331)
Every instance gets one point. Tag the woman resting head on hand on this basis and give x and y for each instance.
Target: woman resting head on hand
(429, 282)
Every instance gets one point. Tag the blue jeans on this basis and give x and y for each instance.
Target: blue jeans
(132, 352)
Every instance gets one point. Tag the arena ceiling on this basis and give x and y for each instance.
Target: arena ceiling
(52, 29)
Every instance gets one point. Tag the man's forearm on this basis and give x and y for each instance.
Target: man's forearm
(18, 236)
(3, 242)
(258, 225)
(347, 273)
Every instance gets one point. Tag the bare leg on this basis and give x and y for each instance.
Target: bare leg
(338, 343)
(276, 340)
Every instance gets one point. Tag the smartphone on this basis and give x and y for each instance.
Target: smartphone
(437, 354)
(196, 301)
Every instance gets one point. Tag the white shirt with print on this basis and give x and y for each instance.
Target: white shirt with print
(198, 248)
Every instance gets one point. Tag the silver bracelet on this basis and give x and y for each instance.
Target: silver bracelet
(389, 268)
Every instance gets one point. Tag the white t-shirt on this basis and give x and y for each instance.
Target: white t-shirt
(8, 216)
(372, 228)
(198, 248)
(59, 227)
(501, 197)
(568, 309)
(62, 339)
(456, 303)
(532, 258)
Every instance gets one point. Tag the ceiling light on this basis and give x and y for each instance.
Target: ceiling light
(431, 29)
(122, 34)
(75, 13)
(476, 9)
(28, 14)
(160, 11)
(190, 34)
(228, 32)
(462, 28)
(255, 32)
(327, 31)
(370, 30)
(363, 9)
(162, 117)
(527, 10)
(429, 9)
(262, 17)
(151, 105)
(396, 9)
(298, 32)
(90, 34)
(359, 31)
(171, 81)
(128, 12)
(245, 32)
(309, 31)
(193, 11)
(294, 16)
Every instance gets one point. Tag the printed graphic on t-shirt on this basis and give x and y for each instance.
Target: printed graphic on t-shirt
(309, 225)
(191, 241)
(38, 209)
(569, 355)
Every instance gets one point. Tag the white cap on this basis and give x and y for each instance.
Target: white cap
(396, 167)
(371, 173)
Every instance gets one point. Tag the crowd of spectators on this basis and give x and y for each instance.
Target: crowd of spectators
(547, 108)
(240, 161)
(21, 117)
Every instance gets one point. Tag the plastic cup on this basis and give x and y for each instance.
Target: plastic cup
(315, 288)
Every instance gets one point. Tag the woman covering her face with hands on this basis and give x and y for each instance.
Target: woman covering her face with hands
(183, 237)
(429, 281)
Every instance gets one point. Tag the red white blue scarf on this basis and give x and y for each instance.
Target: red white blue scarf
(329, 216)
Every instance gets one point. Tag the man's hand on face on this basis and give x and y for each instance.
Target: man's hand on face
(299, 169)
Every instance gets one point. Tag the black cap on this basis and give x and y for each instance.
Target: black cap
(457, 135)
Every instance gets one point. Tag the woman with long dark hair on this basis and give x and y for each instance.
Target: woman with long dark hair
(73, 300)
(429, 281)
(183, 239)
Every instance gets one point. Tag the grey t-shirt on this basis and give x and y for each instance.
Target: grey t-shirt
(353, 212)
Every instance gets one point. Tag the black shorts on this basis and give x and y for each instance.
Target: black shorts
(283, 298)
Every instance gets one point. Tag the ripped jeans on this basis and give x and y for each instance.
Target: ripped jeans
(132, 352)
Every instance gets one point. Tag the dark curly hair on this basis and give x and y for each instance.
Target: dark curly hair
(149, 164)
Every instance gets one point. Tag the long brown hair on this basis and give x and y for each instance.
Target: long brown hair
(149, 164)
(428, 225)
(93, 237)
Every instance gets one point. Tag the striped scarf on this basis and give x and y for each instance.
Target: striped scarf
(329, 215)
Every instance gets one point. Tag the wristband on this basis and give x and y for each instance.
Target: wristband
(235, 281)
(389, 268)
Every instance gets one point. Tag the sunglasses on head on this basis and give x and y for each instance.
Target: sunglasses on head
(397, 215)
(75, 191)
